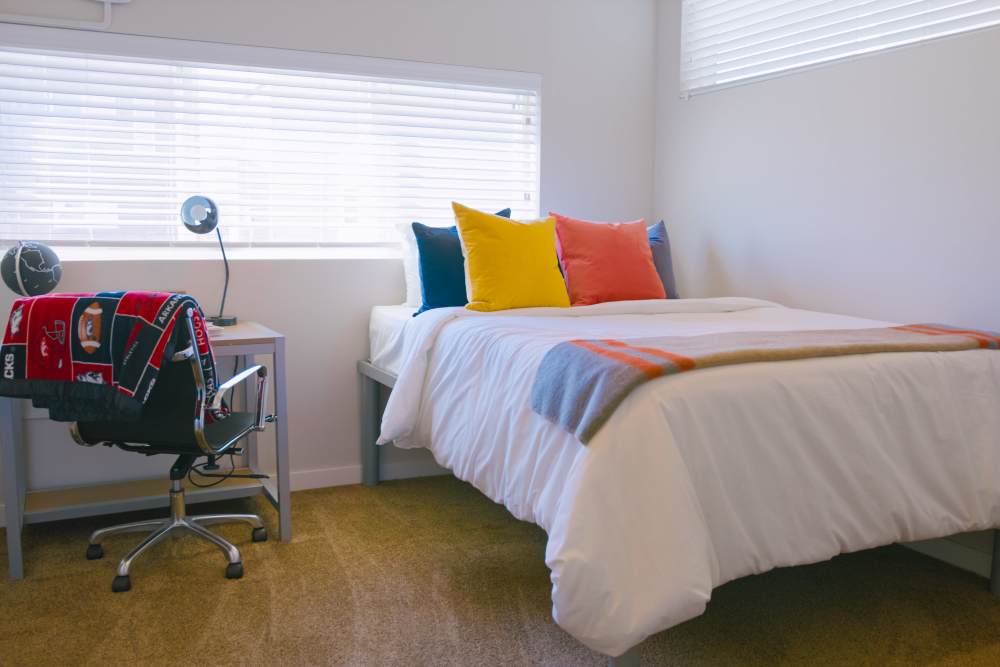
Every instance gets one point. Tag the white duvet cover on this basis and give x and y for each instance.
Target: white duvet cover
(706, 476)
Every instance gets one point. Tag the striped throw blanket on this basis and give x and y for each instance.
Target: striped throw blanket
(580, 383)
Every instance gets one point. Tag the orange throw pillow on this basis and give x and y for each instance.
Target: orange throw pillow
(606, 261)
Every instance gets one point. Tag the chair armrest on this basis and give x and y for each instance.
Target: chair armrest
(201, 391)
(257, 370)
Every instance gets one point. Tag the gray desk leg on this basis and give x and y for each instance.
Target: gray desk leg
(995, 565)
(281, 442)
(370, 423)
(11, 454)
(248, 405)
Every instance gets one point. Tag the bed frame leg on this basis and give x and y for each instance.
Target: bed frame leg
(995, 566)
(370, 424)
(629, 658)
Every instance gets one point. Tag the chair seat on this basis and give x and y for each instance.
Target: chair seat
(171, 439)
(236, 424)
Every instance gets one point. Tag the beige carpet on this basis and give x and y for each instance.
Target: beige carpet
(430, 572)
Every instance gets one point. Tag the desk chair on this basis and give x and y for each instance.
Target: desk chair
(173, 422)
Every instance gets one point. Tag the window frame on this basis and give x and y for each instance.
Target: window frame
(686, 94)
(236, 56)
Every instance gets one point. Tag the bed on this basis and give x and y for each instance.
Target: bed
(700, 478)
(386, 335)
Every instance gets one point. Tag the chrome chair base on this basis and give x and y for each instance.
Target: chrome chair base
(177, 521)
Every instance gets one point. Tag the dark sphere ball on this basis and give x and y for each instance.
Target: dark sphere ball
(37, 271)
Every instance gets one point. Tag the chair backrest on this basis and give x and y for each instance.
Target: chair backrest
(167, 421)
(178, 417)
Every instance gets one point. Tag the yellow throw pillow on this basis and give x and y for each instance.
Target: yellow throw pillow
(509, 264)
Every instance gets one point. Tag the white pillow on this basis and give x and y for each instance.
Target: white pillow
(411, 265)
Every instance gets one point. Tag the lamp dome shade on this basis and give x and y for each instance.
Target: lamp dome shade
(199, 214)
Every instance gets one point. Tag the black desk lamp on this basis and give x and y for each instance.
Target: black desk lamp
(201, 215)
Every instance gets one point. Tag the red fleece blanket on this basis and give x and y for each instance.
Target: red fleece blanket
(95, 357)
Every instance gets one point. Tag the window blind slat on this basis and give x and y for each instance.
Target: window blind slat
(844, 25)
(295, 98)
(740, 41)
(835, 50)
(68, 181)
(260, 173)
(100, 149)
(297, 140)
(264, 119)
(40, 200)
(22, 90)
(827, 15)
(187, 75)
(833, 36)
(757, 11)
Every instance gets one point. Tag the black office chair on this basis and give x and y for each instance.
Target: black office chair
(173, 422)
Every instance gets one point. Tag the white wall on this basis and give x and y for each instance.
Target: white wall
(320, 305)
(596, 58)
(869, 187)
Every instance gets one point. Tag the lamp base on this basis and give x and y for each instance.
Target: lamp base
(223, 320)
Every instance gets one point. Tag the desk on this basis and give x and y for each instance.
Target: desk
(23, 506)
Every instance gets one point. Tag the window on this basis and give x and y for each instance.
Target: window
(102, 149)
(725, 42)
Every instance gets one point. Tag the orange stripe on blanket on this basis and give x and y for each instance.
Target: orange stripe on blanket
(648, 367)
(683, 363)
(984, 339)
(978, 335)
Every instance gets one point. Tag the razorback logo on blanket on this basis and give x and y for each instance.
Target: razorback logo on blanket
(580, 383)
(96, 356)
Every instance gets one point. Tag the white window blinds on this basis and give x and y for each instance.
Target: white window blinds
(103, 150)
(732, 41)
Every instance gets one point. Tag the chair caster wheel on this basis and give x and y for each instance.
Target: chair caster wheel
(121, 584)
(95, 551)
(260, 534)
(234, 571)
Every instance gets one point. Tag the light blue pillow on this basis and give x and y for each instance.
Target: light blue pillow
(659, 243)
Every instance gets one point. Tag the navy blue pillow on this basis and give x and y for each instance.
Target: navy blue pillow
(659, 243)
(442, 267)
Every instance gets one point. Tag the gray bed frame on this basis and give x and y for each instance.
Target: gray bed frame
(377, 383)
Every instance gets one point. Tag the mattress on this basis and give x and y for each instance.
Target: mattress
(386, 330)
(706, 476)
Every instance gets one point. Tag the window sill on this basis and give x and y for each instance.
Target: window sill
(211, 253)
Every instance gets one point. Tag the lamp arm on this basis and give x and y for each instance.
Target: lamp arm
(225, 262)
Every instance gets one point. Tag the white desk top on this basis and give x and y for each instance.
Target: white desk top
(245, 333)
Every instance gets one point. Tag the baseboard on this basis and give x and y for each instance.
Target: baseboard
(953, 553)
(344, 475)
(322, 477)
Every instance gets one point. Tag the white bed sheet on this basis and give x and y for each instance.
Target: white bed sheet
(386, 335)
(707, 476)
